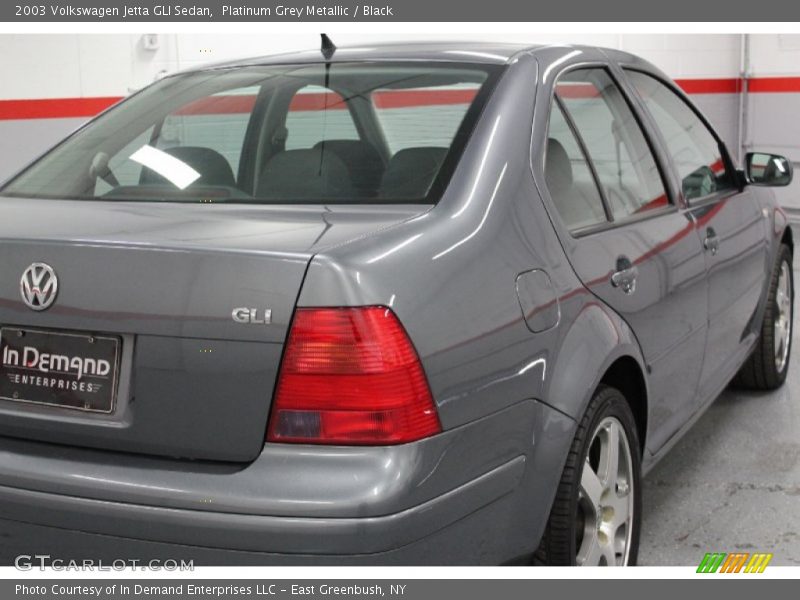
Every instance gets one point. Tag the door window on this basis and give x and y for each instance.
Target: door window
(694, 149)
(626, 168)
(569, 179)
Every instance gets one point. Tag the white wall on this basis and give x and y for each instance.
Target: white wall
(775, 55)
(85, 65)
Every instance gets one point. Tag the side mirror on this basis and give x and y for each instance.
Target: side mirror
(768, 169)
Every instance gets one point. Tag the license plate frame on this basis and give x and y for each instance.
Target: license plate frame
(79, 390)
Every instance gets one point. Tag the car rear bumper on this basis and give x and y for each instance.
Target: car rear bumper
(492, 516)
(440, 531)
(264, 533)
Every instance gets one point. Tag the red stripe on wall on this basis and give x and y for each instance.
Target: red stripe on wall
(322, 101)
(710, 86)
(55, 108)
(238, 104)
(408, 98)
(235, 104)
(219, 105)
(772, 85)
(385, 99)
(577, 90)
(755, 85)
(67, 108)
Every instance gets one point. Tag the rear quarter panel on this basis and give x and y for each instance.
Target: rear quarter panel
(450, 276)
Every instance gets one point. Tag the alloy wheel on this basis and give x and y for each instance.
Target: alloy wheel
(606, 498)
(783, 317)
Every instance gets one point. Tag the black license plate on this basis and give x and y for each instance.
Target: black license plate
(67, 370)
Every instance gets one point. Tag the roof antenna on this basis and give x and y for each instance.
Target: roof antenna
(328, 47)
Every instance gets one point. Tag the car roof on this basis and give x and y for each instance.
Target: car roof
(471, 52)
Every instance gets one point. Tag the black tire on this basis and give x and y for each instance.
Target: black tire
(559, 544)
(760, 371)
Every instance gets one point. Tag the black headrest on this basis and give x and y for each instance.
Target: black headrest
(411, 172)
(305, 175)
(214, 168)
(558, 168)
(363, 162)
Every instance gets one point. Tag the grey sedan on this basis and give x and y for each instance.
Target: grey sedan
(401, 304)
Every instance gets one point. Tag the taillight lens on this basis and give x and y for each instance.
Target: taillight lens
(351, 376)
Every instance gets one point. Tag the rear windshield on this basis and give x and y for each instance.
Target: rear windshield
(341, 133)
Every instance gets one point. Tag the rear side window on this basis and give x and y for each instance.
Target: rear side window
(694, 149)
(625, 165)
(569, 178)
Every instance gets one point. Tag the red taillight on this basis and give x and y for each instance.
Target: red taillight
(351, 376)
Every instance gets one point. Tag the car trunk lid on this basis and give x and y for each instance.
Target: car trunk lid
(164, 280)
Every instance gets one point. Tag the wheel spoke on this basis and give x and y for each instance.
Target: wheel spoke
(609, 552)
(590, 552)
(591, 486)
(608, 469)
(620, 505)
(780, 336)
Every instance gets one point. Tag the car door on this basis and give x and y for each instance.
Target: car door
(629, 242)
(730, 222)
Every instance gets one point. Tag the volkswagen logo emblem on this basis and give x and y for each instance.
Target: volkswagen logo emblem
(39, 286)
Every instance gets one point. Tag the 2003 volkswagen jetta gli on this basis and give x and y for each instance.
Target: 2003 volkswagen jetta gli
(405, 304)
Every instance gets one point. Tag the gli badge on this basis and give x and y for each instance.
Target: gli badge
(39, 286)
(252, 316)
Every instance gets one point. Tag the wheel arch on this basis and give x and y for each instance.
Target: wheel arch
(625, 375)
(788, 238)
(599, 349)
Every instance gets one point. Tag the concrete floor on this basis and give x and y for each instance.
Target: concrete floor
(733, 482)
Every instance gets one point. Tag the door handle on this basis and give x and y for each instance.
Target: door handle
(625, 276)
(711, 241)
